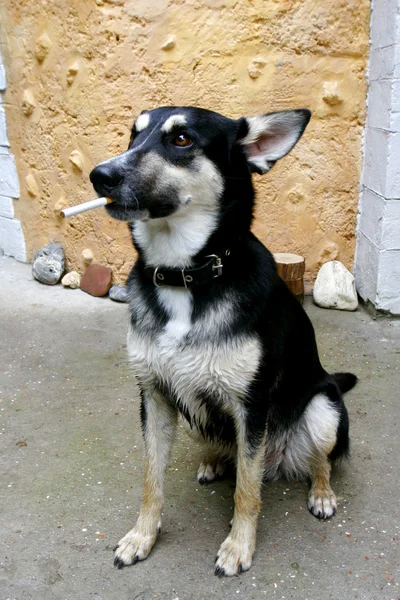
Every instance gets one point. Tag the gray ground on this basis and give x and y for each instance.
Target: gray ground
(72, 460)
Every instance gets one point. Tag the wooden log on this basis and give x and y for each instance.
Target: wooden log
(291, 269)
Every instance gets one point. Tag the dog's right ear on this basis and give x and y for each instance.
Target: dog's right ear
(266, 138)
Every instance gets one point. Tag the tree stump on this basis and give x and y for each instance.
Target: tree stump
(291, 269)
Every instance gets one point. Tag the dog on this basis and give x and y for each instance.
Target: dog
(215, 335)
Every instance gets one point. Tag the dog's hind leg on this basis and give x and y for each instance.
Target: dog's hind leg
(321, 498)
(159, 423)
(327, 425)
(215, 462)
(212, 467)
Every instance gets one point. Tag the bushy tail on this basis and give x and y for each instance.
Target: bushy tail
(345, 381)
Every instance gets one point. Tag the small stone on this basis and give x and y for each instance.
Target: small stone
(72, 72)
(42, 48)
(87, 256)
(31, 185)
(59, 205)
(335, 287)
(256, 67)
(28, 103)
(76, 159)
(119, 293)
(71, 280)
(169, 43)
(48, 264)
(330, 251)
(96, 280)
(296, 195)
(330, 93)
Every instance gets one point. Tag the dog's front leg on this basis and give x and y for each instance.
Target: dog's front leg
(236, 552)
(159, 424)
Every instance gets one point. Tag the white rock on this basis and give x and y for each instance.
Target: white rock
(335, 287)
(71, 280)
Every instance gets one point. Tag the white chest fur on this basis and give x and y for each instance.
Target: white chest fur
(192, 359)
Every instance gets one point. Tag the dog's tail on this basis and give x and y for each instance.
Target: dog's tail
(345, 381)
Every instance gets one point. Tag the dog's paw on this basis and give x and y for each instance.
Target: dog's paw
(133, 547)
(322, 504)
(233, 558)
(209, 470)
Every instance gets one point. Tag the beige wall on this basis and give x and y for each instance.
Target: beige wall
(80, 70)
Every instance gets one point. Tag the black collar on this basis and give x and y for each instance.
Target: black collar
(189, 278)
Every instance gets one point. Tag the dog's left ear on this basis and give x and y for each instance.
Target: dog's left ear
(266, 138)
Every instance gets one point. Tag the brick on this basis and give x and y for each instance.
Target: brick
(390, 228)
(12, 239)
(6, 207)
(3, 81)
(371, 217)
(392, 187)
(366, 268)
(394, 122)
(396, 59)
(375, 159)
(9, 184)
(383, 25)
(382, 63)
(388, 279)
(96, 280)
(379, 104)
(3, 128)
(396, 95)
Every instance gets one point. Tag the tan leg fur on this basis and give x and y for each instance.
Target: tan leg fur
(159, 432)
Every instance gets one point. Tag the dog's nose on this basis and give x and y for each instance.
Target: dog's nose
(105, 177)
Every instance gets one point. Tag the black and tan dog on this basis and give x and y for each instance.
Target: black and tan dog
(215, 335)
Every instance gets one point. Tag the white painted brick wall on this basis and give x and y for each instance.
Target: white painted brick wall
(375, 159)
(12, 241)
(6, 207)
(391, 226)
(9, 184)
(377, 264)
(3, 127)
(2, 76)
(371, 218)
(367, 261)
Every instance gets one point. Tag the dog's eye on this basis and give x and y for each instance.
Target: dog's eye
(182, 140)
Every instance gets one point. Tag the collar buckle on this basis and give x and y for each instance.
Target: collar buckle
(218, 266)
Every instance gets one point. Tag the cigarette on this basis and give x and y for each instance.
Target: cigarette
(80, 208)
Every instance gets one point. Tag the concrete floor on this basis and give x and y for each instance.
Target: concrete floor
(72, 461)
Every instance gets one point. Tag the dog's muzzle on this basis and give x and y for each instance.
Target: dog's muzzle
(105, 178)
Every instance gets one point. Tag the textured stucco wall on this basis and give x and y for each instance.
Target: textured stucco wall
(79, 71)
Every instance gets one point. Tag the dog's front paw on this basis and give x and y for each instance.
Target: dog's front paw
(232, 558)
(322, 503)
(211, 469)
(133, 547)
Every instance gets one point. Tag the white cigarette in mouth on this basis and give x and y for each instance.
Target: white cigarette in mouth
(80, 208)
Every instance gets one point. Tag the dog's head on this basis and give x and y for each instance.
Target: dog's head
(179, 157)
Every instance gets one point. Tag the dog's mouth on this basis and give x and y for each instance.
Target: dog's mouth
(130, 209)
(126, 212)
